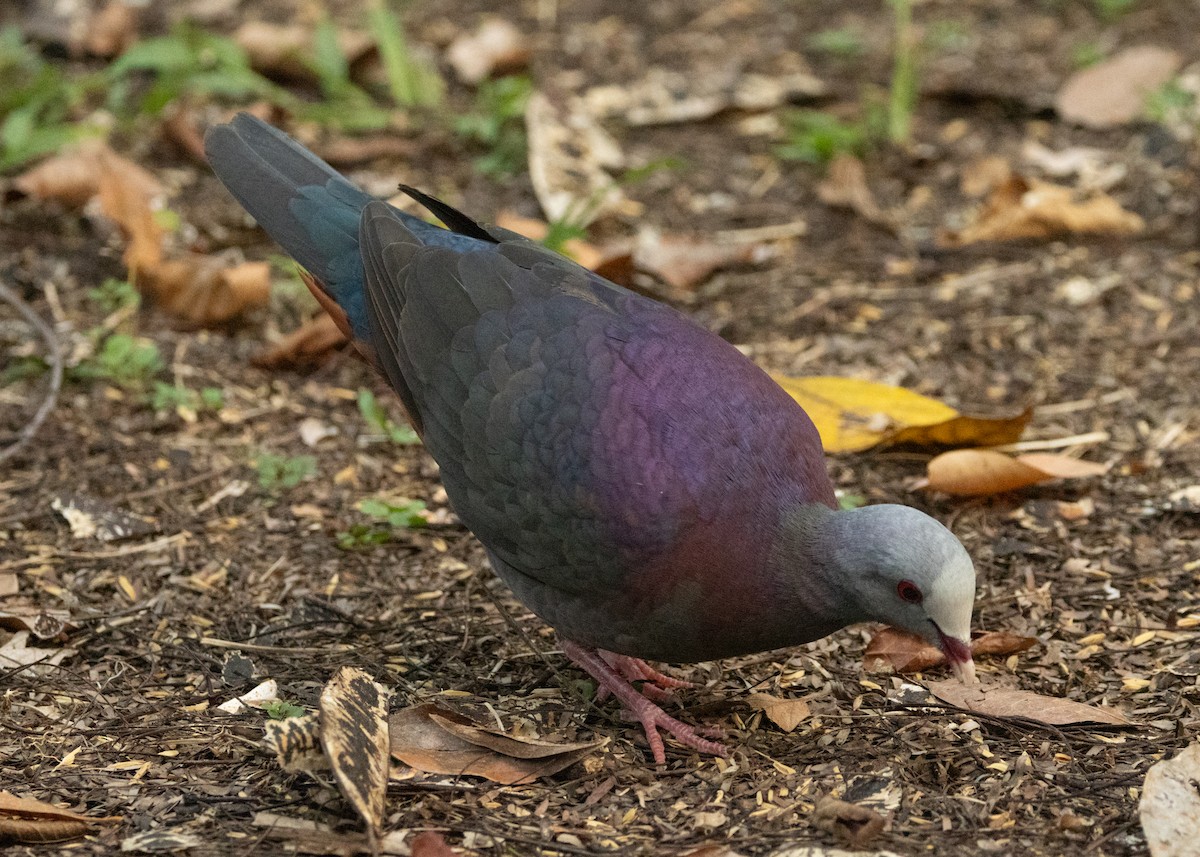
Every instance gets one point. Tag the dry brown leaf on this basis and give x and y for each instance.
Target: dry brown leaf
(29, 820)
(1011, 702)
(202, 290)
(854, 825)
(1170, 805)
(352, 151)
(1028, 208)
(45, 623)
(354, 733)
(284, 50)
(569, 155)
(1114, 91)
(73, 176)
(111, 30)
(894, 650)
(496, 46)
(684, 261)
(980, 472)
(308, 345)
(714, 849)
(787, 714)
(430, 843)
(9, 584)
(845, 186)
(983, 174)
(436, 740)
(17, 653)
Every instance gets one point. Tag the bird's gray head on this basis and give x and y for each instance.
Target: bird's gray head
(904, 568)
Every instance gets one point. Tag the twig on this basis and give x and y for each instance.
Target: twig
(56, 371)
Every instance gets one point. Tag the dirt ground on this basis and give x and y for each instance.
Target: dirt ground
(126, 725)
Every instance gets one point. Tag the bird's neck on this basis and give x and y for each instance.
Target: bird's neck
(808, 571)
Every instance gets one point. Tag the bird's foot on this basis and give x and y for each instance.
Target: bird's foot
(638, 705)
(642, 676)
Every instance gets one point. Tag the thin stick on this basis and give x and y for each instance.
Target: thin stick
(56, 371)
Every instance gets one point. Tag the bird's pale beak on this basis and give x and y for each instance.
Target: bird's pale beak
(958, 655)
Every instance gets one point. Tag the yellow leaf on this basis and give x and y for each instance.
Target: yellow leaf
(852, 415)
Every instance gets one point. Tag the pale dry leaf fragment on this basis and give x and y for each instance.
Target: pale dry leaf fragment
(980, 472)
(91, 517)
(1024, 208)
(997, 701)
(714, 849)
(854, 825)
(160, 841)
(354, 733)
(845, 186)
(1170, 805)
(312, 431)
(852, 414)
(17, 653)
(296, 742)
(45, 623)
(569, 156)
(685, 261)
(256, 697)
(1114, 91)
(822, 851)
(9, 584)
(286, 50)
(112, 29)
(29, 820)
(436, 740)
(496, 46)
(787, 714)
(984, 173)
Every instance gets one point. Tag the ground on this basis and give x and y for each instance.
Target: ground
(125, 725)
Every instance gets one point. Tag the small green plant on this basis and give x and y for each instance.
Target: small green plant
(122, 359)
(842, 42)
(169, 397)
(281, 472)
(498, 124)
(1109, 11)
(344, 104)
(22, 369)
(818, 137)
(1170, 103)
(381, 424)
(1086, 54)
(36, 103)
(277, 709)
(412, 81)
(902, 95)
(114, 295)
(188, 62)
(389, 516)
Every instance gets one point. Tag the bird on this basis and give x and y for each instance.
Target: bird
(641, 485)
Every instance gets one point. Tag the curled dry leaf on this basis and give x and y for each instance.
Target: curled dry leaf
(787, 714)
(311, 344)
(1114, 91)
(73, 176)
(436, 740)
(586, 254)
(284, 50)
(1170, 805)
(894, 650)
(665, 96)
(203, 290)
(24, 819)
(979, 472)
(684, 261)
(354, 733)
(569, 155)
(854, 825)
(845, 186)
(44, 623)
(17, 653)
(998, 701)
(852, 415)
(1028, 208)
(496, 46)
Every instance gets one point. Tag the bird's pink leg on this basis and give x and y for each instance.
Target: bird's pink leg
(647, 712)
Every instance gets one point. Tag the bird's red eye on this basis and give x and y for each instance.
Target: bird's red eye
(908, 591)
